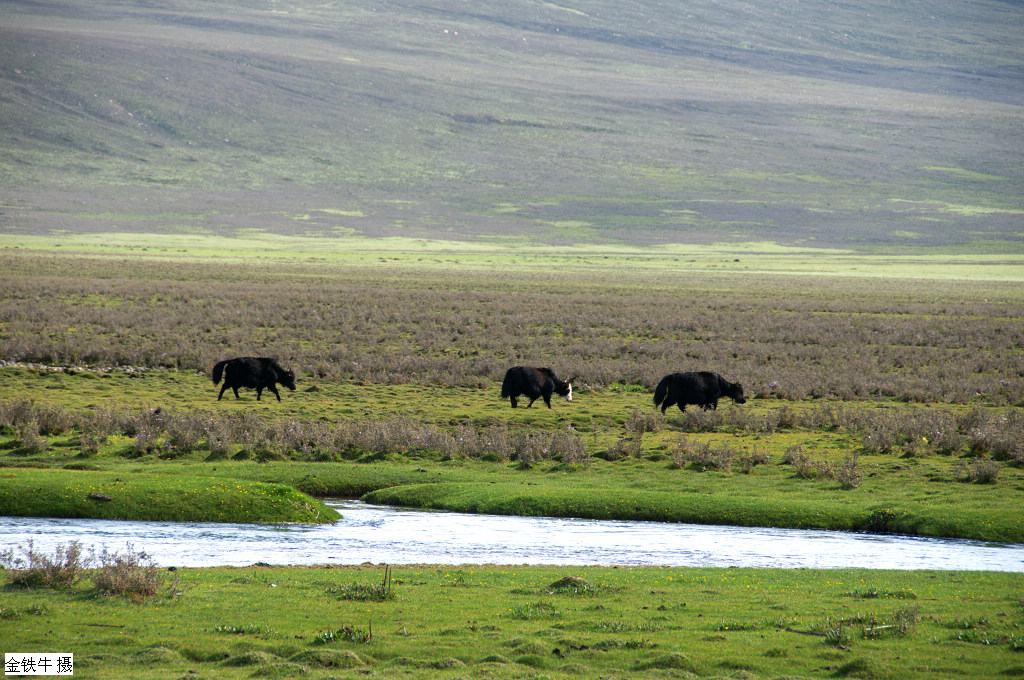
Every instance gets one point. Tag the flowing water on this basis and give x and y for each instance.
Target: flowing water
(379, 534)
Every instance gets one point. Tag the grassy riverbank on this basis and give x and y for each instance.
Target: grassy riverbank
(131, 494)
(533, 622)
(615, 460)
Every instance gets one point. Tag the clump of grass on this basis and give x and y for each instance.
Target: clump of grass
(737, 625)
(185, 434)
(572, 585)
(862, 668)
(968, 622)
(875, 593)
(747, 421)
(672, 661)
(366, 593)
(974, 636)
(533, 611)
(248, 629)
(903, 623)
(324, 658)
(345, 633)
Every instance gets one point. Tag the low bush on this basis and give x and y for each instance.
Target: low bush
(36, 569)
(169, 433)
(32, 442)
(978, 471)
(849, 474)
(801, 461)
(704, 456)
(129, 574)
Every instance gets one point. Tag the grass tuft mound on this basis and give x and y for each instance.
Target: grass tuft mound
(328, 658)
(668, 661)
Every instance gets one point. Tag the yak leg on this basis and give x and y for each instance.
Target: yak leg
(224, 387)
(513, 400)
(273, 389)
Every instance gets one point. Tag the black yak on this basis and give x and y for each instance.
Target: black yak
(702, 388)
(258, 373)
(534, 383)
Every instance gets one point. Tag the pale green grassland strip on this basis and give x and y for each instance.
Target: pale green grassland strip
(730, 258)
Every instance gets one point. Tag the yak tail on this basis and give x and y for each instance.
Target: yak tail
(218, 369)
(661, 392)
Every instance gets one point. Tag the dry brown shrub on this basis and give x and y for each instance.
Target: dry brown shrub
(36, 569)
(130, 574)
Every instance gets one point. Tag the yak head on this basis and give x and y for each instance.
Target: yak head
(565, 389)
(287, 379)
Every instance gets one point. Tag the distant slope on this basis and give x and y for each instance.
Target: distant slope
(860, 124)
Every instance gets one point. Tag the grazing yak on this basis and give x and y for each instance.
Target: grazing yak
(702, 388)
(534, 383)
(258, 373)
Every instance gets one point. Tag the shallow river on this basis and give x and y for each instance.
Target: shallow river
(398, 536)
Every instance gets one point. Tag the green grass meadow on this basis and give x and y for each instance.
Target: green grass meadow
(507, 622)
